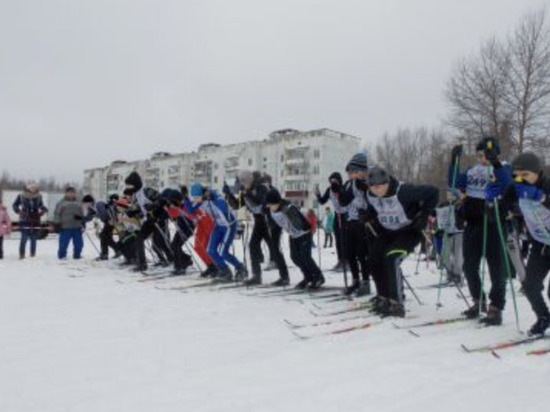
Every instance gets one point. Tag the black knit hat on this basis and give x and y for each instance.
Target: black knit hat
(488, 143)
(527, 161)
(377, 176)
(336, 176)
(358, 163)
(273, 197)
(88, 199)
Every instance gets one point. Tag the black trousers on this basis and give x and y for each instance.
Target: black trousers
(473, 251)
(181, 259)
(127, 245)
(385, 256)
(106, 239)
(538, 266)
(161, 244)
(356, 248)
(300, 253)
(1, 247)
(263, 232)
(340, 224)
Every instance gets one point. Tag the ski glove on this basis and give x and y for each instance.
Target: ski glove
(525, 191)
(456, 152)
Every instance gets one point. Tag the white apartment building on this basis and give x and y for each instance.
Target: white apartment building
(297, 162)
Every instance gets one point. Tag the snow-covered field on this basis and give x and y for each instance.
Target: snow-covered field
(77, 336)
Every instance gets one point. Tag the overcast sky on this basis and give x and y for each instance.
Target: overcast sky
(84, 82)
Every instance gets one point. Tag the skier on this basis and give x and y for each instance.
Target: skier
(127, 229)
(184, 230)
(481, 185)
(353, 196)
(68, 219)
(222, 235)
(106, 213)
(153, 222)
(254, 189)
(340, 217)
(397, 213)
(30, 208)
(289, 218)
(5, 227)
(531, 190)
(204, 225)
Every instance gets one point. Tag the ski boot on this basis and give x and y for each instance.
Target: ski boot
(223, 275)
(178, 272)
(493, 318)
(241, 274)
(540, 326)
(473, 312)
(210, 270)
(317, 282)
(392, 309)
(302, 284)
(281, 282)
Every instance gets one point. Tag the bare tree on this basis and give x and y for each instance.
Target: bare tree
(477, 94)
(529, 78)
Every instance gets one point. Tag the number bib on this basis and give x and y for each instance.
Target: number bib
(477, 179)
(391, 213)
(537, 219)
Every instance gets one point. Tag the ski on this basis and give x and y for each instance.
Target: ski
(503, 345)
(294, 325)
(539, 352)
(151, 276)
(437, 322)
(357, 307)
(360, 326)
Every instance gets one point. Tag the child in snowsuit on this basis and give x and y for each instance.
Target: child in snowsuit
(5, 227)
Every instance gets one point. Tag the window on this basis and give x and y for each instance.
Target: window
(215, 179)
(316, 154)
(282, 158)
(249, 162)
(215, 166)
(315, 170)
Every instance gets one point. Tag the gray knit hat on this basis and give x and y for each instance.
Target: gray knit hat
(358, 163)
(377, 176)
(527, 161)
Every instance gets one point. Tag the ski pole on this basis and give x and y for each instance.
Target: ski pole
(506, 261)
(92, 242)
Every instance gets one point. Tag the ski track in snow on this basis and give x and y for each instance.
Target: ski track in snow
(87, 337)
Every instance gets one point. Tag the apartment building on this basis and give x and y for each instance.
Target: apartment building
(297, 162)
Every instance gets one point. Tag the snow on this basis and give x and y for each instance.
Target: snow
(82, 336)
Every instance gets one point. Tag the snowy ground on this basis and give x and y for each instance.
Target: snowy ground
(82, 337)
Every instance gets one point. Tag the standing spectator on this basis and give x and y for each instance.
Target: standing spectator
(30, 208)
(328, 226)
(68, 218)
(5, 227)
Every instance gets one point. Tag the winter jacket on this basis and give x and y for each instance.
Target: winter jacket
(253, 199)
(68, 214)
(30, 207)
(328, 222)
(216, 207)
(473, 182)
(5, 222)
(290, 219)
(404, 207)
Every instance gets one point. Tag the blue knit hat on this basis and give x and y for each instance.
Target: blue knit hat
(196, 190)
